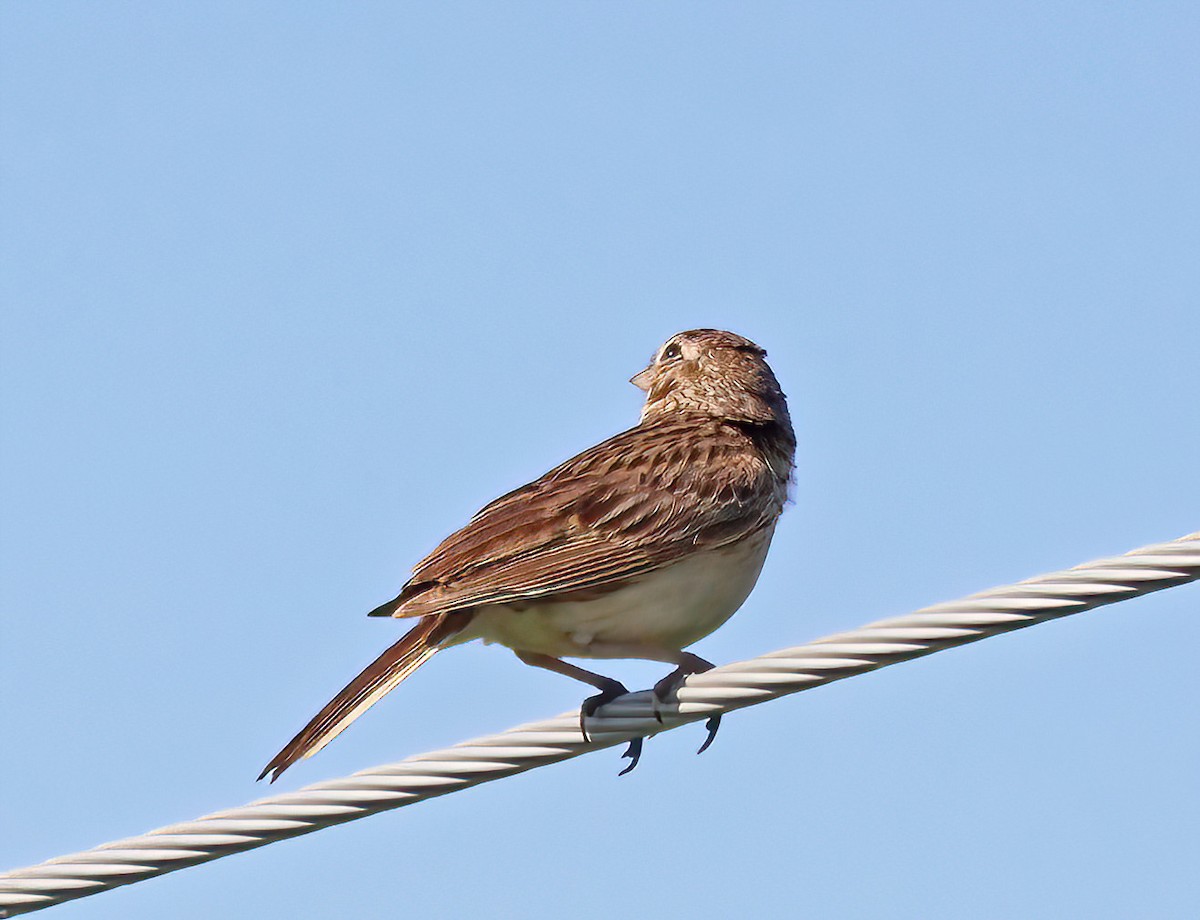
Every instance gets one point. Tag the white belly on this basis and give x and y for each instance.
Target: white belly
(667, 609)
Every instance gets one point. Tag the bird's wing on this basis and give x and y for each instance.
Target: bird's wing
(627, 506)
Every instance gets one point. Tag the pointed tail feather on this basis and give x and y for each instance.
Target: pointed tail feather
(385, 672)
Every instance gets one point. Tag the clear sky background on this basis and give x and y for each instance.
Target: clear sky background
(290, 291)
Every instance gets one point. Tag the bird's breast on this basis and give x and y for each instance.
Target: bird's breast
(669, 608)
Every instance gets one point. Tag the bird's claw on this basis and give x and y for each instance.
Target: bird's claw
(713, 723)
(633, 753)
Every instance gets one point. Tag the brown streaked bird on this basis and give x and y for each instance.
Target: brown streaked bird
(636, 548)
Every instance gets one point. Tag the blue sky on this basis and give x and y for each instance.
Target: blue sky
(290, 292)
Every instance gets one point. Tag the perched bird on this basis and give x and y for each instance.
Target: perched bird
(636, 548)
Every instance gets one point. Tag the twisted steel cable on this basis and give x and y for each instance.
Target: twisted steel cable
(734, 686)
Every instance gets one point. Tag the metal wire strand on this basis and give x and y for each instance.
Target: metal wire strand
(536, 744)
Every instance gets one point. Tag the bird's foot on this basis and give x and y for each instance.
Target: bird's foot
(609, 692)
(665, 689)
(669, 686)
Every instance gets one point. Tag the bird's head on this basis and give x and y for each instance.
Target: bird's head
(714, 373)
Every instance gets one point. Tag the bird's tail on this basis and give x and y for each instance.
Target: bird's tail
(376, 680)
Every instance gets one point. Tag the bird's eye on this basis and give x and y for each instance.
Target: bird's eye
(671, 352)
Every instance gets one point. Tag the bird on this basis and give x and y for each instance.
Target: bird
(634, 549)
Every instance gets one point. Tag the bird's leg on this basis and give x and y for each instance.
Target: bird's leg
(609, 690)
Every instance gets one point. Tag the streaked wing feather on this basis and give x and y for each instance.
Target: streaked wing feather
(625, 507)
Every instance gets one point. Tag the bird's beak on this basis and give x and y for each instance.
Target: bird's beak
(643, 380)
